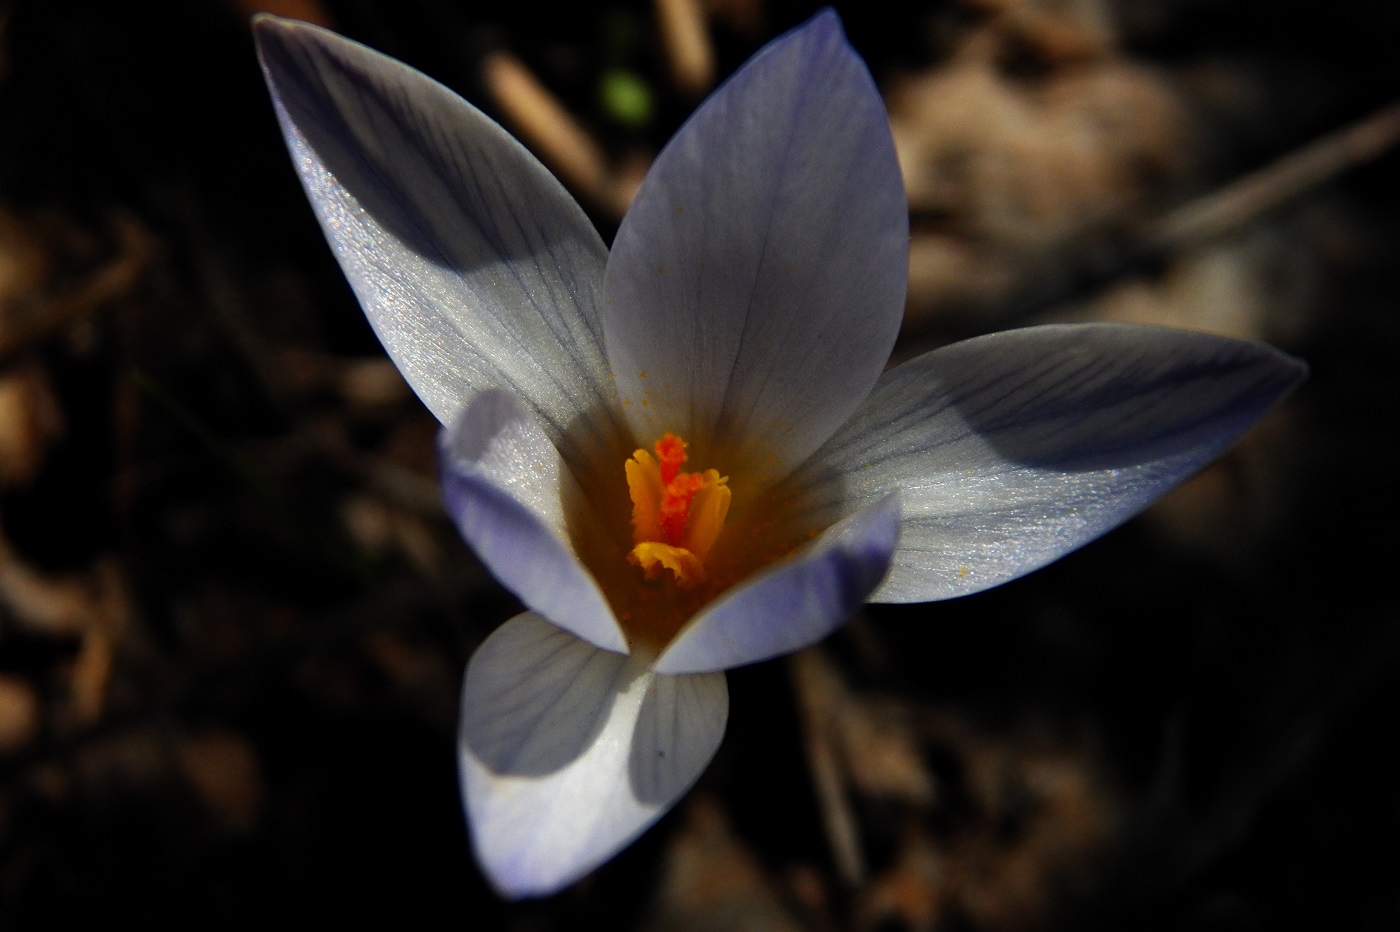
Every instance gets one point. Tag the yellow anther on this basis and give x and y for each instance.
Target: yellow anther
(676, 515)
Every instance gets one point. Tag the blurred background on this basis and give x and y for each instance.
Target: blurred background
(233, 618)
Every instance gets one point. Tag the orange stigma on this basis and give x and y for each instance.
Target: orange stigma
(670, 450)
(676, 516)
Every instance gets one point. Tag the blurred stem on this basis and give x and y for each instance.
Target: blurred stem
(1245, 199)
(815, 685)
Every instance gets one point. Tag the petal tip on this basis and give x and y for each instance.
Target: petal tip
(267, 28)
(1298, 370)
(827, 21)
(278, 41)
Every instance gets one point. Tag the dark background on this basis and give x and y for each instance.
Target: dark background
(233, 618)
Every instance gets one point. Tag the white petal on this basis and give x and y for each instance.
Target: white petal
(568, 753)
(513, 498)
(1011, 450)
(473, 264)
(794, 603)
(758, 280)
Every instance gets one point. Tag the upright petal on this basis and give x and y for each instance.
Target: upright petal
(568, 752)
(512, 498)
(1011, 450)
(756, 286)
(473, 264)
(794, 603)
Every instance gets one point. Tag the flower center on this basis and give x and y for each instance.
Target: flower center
(676, 515)
(690, 539)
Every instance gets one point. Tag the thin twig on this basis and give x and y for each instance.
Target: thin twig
(814, 684)
(690, 57)
(1226, 210)
(1247, 198)
(550, 130)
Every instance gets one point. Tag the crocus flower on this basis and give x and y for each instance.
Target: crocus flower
(685, 454)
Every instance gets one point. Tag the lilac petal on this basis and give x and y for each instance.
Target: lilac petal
(1013, 449)
(509, 493)
(795, 603)
(568, 753)
(473, 264)
(756, 286)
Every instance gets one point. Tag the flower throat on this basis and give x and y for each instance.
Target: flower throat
(692, 538)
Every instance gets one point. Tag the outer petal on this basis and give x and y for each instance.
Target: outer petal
(756, 286)
(795, 603)
(1013, 449)
(473, 264)
(568, 752)
(511, 495)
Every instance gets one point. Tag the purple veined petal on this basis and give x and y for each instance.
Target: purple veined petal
(473, 264)
(1013, 449)
(507, 489)
(794, 603)
(756, 286)
(568, 753)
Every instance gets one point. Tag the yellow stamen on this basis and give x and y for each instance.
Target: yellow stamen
(644, 485)
(676, 516)
(654, 559)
